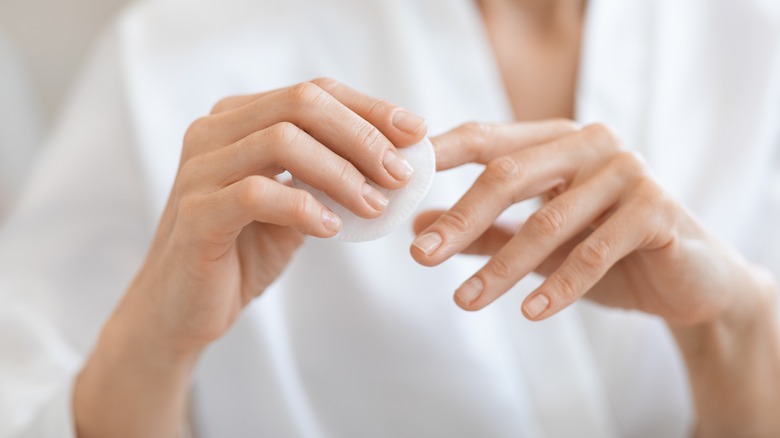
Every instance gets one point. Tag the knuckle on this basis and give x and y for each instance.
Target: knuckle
(326, 83)
(252, 191)
(628, 165)
(599, 131)
(306, 94)
(653, 205)
(347, 174)
(198, 131)
(502, 170)
(283, 133)
(188, 168)
(477, 136)
(627, 160)
(593, 254)
(370, 137)
(603, 136)
(302, 206)
(549, 221)
(648, 196)
(566, 286)
(378, 108)
(193, 173)
(497, 267)
(458, 219)
(476, 131)
(192, 167)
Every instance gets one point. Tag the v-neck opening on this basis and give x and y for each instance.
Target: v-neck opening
(493, 66)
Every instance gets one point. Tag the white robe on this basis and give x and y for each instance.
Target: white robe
(356, 339)
(19, 125)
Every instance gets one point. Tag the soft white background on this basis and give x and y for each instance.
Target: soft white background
(42, 45)
(52, 38)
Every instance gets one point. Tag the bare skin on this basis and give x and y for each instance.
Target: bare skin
(607, 230)
(228, 230)
(537, 45)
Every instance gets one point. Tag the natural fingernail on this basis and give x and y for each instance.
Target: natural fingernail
(536, 305)
(407, 122)
(469, 292)
(374, 197)
(397, 166)
(428, 242)
(331, 220)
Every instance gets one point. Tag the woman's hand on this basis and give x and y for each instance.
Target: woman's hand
(228, 230)
(230, 226)
(606, 228)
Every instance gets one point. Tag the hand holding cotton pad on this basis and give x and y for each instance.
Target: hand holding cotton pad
(402, 203)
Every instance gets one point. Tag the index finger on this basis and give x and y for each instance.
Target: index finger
(400, 126)
(331, 122)
(476, 142)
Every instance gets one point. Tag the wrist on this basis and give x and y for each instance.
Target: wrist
(732, 360)
(140, 324)
(133, 382)
(142, 339)
(752, 307)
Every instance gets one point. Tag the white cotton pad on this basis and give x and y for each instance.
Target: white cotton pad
(402, 203)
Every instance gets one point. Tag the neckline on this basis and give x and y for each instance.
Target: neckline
(498, 87)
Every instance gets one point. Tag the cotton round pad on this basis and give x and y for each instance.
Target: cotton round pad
(402, 203)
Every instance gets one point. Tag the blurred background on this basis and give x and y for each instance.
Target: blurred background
(42, 46)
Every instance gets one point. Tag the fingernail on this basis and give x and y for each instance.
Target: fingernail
(374, 197)
(469, 292)
(397, 166)
(407, 122)
(331, 220)
(428, 242)
(536, 305)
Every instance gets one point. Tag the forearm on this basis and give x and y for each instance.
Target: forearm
(733, 364)
(133, 384)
